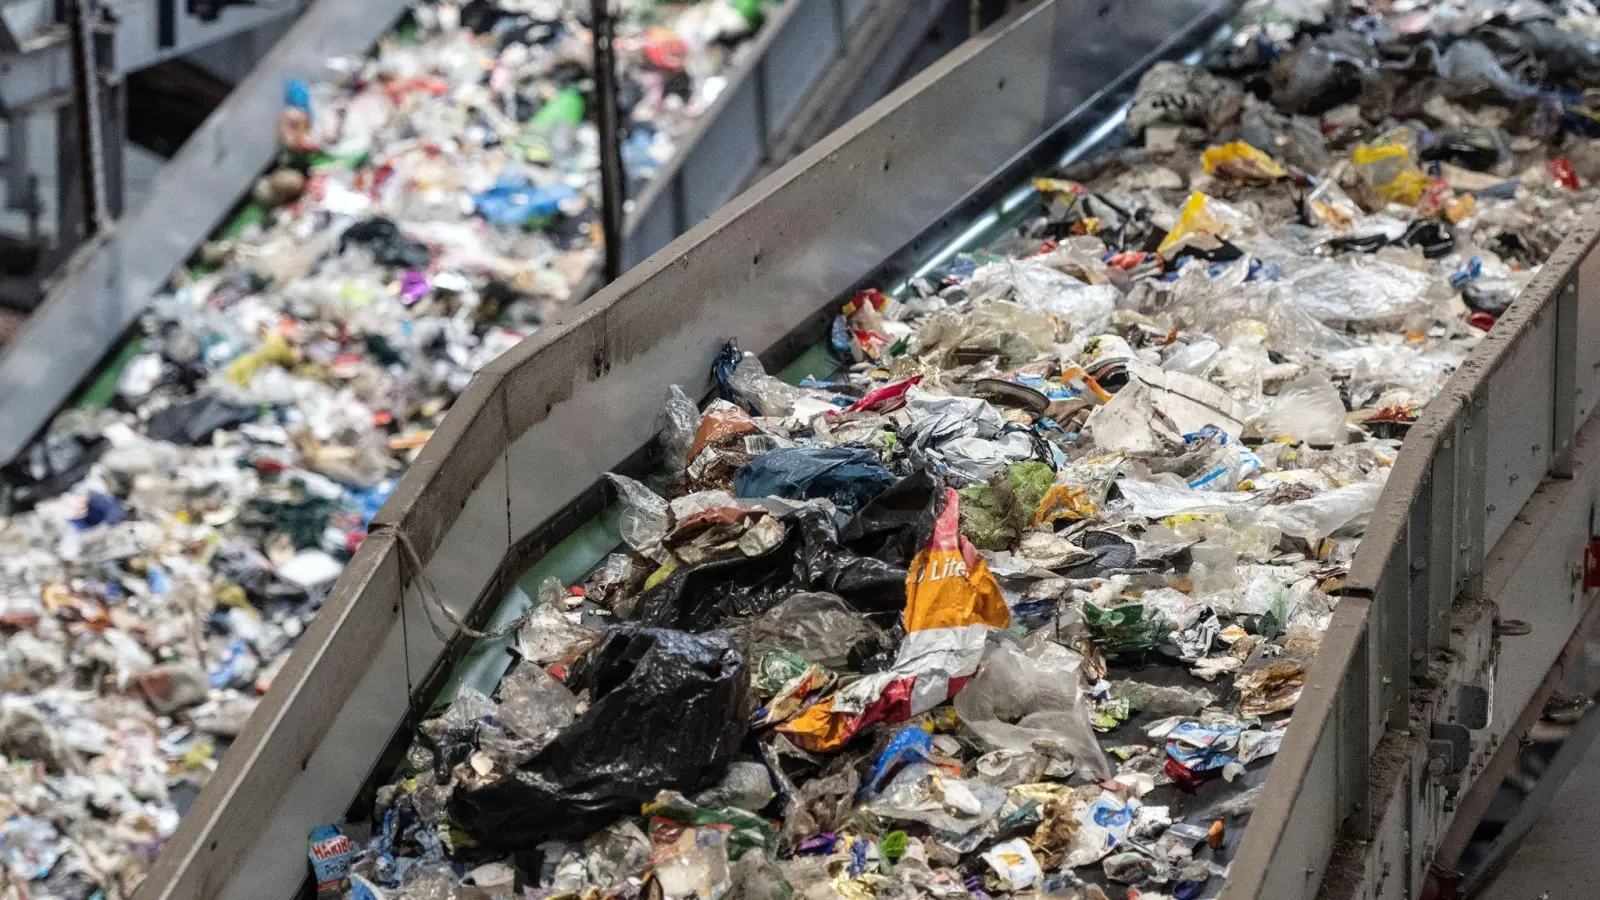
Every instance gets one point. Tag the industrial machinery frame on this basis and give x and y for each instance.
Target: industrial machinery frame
(516, 465)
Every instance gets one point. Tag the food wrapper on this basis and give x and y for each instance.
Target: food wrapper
(1390, 171)
(1239, 161)
(330, 855)
(1013, 864)
(1202, 216)
(1079, 490)
(727, 439)
(952, 600)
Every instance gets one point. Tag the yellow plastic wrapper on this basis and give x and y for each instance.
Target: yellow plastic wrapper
(1079, 490)
(1239, 161)
(1059, 188)
(275, 351)
(1390, 171)
(1201, 215)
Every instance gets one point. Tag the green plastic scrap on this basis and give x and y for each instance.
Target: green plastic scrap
(1125, 629)
(894, 845)
(565, 108)
(304, 520)
(748, 830)
(1108, 714)
(754, 11)
(776, 669)
(994, 513)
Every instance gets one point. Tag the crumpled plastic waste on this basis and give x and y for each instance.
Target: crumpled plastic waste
(690, 692)
(1173, 392)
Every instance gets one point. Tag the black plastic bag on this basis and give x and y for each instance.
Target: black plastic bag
(865, 563)
(194, 422)
(48, 468)
(698, 599)
(667, 711)
(389, 247)
(848, 476)
(897, 524)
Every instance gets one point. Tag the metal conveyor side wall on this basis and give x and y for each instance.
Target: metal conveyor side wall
(1486, 518)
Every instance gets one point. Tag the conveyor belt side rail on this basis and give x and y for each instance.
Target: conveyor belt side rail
(1485, 518)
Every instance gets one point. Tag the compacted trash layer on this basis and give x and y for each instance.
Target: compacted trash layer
(1020, 600)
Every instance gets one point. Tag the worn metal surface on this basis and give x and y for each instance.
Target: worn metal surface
(1484, 518)
(801, 45)
(41, 68)
(536, 428)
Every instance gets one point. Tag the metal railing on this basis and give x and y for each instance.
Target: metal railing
(1482, 514)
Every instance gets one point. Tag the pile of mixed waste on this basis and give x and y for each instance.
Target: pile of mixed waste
(1021, 601)
(162, 548)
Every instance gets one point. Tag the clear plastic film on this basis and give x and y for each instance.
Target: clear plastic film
(1033, 701)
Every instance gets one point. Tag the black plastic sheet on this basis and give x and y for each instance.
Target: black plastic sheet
(667, 711)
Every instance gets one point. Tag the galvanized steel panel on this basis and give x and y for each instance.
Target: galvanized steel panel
(1520, 407)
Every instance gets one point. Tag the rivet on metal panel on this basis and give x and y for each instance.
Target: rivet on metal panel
(1450, 745)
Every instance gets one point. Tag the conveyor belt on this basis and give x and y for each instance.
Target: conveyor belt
(514, 471)
(1407, 710)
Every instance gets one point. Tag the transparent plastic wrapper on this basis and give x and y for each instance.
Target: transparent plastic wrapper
(769, 396)
(822, 803)
(534, 705)
(1036, 286)
(1320, 515)
(1148, 500)
(926, 793)
(615, 853)
(1006, 330)
(1204, 222)
(1162, 700)
(1390, 171)
(746, 786)
(548, 633)
(1359, 290)
(677, 424)
(691, 862)
(644, 521)
(1308, 410)
(1019, 701)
